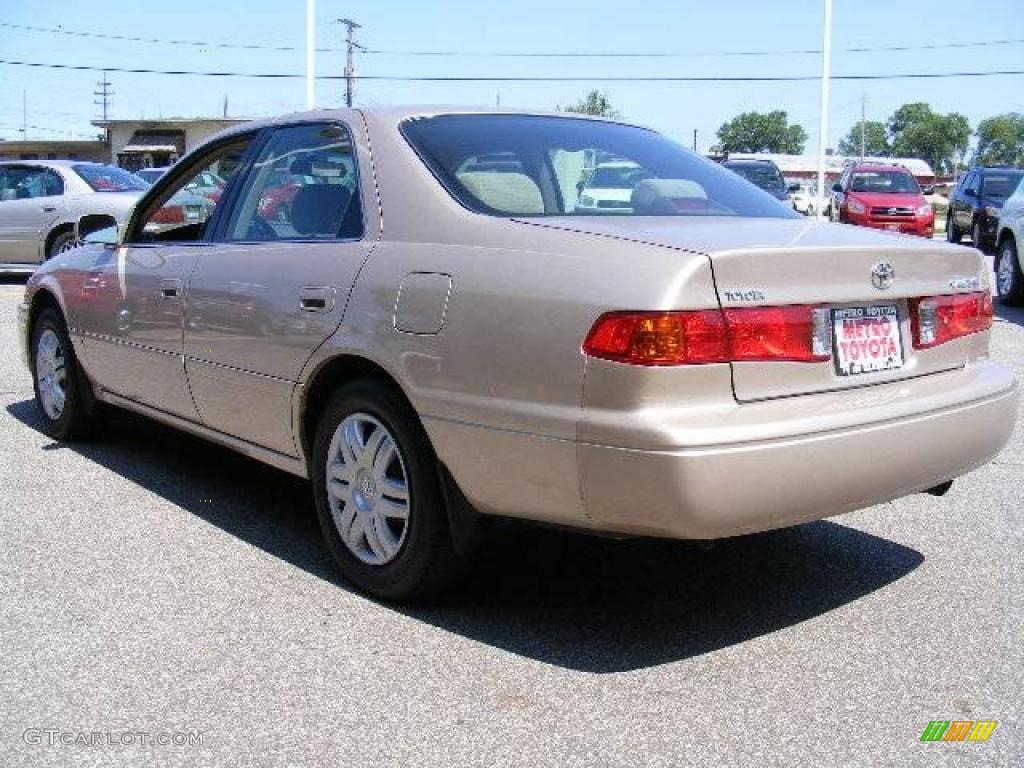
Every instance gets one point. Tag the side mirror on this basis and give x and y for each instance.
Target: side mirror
(97, 228)
(793, 188)
(970, 192)
(928, 189)
(837, 187)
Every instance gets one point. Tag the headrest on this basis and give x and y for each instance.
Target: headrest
(319, 209)
(661, 197)
(505, 192)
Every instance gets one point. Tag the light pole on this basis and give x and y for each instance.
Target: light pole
(310, 54)
(826, 71)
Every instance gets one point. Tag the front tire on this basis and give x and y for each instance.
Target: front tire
(1009, 279)
(378, 495)
(60, 385)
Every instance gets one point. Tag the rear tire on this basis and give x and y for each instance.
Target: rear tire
(977, 238)
(63, 242)
(62, 390)
(378, 495)
(1009, 278)
(953, 234)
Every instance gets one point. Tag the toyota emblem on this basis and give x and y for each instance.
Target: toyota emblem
(883, 275)
(892, 211)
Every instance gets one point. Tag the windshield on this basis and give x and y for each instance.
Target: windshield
(763, 175)
(885, 182)
(549, 165)
(108, 178)
(1000, 185)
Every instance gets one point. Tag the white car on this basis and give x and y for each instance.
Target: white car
(609, 188)
(1009, 239)
(805, 198)
(40, 201)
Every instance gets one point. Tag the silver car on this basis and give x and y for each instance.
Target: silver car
(41, 200)
(436, 339)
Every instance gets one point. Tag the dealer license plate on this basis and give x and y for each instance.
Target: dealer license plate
(866, 339)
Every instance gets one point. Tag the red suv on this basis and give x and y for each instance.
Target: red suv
(882, 197)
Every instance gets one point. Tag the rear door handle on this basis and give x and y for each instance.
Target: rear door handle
(170, 288)
(49, 208)
(317, 298)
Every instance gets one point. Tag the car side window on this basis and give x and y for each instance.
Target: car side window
(303, 186)
(182, 208)
(24, 183)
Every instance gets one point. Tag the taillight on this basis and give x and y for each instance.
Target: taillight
(658, 338)
(935, 320)
(169, 214)
(796, 333)
(799, 333)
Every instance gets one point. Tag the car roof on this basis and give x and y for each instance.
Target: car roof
(878, 167)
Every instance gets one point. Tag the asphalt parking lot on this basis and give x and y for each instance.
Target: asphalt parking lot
(153, 583)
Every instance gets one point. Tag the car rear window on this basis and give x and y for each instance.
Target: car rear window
(531, 165)
(109, 178)
(1000, 185)
(764, 175)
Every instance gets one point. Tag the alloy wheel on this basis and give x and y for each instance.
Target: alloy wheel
(1007, 265)
(368, 489)
(51, 373)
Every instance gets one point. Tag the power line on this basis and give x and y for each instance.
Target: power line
(515, 54)
(520, 78)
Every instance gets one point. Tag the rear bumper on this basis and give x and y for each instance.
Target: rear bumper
(713, 491)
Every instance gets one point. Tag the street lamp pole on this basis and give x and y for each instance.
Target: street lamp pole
(826, 72)
(310, 54)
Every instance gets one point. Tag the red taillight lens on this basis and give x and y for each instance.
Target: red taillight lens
(169, 214)
(799, 333)
(658, 338)
(935, 320)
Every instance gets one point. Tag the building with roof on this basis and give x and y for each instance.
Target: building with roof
(806, 166)
(134, 144)
(60, 149)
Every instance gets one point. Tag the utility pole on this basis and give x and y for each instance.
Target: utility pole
(350, 66)
(310, 54)
(826, 75)
(863, 106)
(694, 139)
(24, 115)
(104, 94)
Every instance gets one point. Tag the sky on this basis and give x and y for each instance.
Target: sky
(60, 103)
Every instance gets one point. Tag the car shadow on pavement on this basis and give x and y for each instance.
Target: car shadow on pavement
(574, 601)
(1009, 314)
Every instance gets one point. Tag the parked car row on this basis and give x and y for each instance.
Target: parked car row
(438, 330)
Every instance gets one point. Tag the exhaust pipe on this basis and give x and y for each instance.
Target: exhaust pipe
(941, 489)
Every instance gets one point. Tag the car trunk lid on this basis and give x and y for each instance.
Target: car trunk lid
(777, 262)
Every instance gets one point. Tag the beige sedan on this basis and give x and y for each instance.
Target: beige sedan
(435, 332)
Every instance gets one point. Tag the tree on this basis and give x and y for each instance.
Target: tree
(915, 130)
(1001, 140)
(762, 132)
(596, 103)
(876, 140)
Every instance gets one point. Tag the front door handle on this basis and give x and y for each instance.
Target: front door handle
(49, 208)
(317, 298)
(170, 288)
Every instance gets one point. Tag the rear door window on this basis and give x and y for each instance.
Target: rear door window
(303, 185)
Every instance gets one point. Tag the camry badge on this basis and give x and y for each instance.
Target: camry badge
(883, 275)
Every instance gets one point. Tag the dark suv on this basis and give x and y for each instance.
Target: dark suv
(975, 203)
(764, 174)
